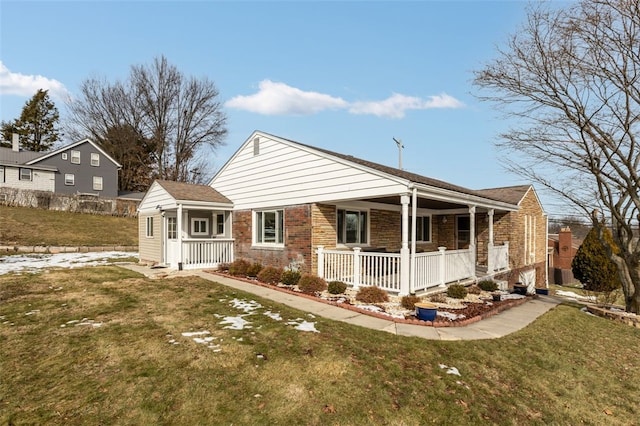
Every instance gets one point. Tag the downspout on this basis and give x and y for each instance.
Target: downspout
(179, 220)
(414, 211)
(546, 253)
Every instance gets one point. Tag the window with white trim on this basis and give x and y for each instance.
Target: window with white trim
(199, 226)
(268, 227)
(353, 226)
(172, 227)
(25, 174)
(149, 227)
(95, 159)
(423, 229)
(97, 183)
(220, 224)
(75, 157)
(1, 174)
(69, 179)
(64, 156)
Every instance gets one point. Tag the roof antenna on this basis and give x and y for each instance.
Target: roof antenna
(400, 146)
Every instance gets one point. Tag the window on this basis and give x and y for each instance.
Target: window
(69, 179)
(199, 226)
(97, 183)
(1, 174)
(75, 157)
(150, 227)
(269, 227)
(172, 228)
(64, 155)
(463, 228)
(25, 174)
(352, 227)
(220, 224)
(95, 159)
(423, 229)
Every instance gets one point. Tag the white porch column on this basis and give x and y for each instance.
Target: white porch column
(414, 212)
(472, 237)
(490, 265)
(320, 261)
(356, 267)
(179, 220)
(405, 261)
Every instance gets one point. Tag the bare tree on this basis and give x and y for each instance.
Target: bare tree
(178, 116)
(569, 80)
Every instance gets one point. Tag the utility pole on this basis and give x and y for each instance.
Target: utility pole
(400, 146)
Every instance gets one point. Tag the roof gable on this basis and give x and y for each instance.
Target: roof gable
(182, 191)
(508, 194)
(73, 145)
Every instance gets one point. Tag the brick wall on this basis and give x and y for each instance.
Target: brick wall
(297, 239)
(530, 209)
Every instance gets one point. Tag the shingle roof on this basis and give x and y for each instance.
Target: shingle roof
(9, 156)
(508, 194)
(190, 192)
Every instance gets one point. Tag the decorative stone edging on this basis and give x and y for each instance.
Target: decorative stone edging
(64, 249)
(619, 316)
(507, 305)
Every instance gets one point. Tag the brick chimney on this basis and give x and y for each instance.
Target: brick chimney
(15, 142)
(565, 248)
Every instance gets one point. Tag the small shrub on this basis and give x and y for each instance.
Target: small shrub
(474, 289)
(457, 291)
(336, 287)
(290, 277)
(239, 267)
(270, 275)
(409, 302)
(488, 285)
(438, 298)
(223, 267)
(311, 284)
(372, 294)
(254, 269)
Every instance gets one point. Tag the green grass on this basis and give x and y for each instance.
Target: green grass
(565, 368)
(27, 226)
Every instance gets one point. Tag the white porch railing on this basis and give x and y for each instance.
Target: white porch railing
(207, 253)
(383, 269)
(498, 257)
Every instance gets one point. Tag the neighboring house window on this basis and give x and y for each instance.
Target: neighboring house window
(95, 159)
(352, 227)
(69, 179)
(423, 229)
(75, 157)
(25, 174)
(64, 155)
(149, 227)
(1, 174)
(269, 227)
(199, 226)
(97, 183)
(172, 228)
(220, 224)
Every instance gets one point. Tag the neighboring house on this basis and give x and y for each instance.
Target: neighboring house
(363, 223)
(562, 249)
(82, 167)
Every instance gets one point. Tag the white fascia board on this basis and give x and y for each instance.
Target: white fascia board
(73, 145)
(440, 194)
(188, 204)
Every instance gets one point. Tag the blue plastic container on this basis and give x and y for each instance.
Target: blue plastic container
(426, 312)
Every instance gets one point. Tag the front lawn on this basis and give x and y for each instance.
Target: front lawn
(104, 345)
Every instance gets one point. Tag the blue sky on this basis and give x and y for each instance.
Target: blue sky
(344, 76)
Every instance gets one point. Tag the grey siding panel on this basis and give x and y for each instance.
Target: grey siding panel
(84, 172)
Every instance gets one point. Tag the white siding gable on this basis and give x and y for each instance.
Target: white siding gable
(284, 173)
(156, 196)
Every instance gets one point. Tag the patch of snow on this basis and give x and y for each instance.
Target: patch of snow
(584, 309)
(246, 306)
(35, 311)
(450, 370)
(273, 315)
(303, 325)
(576, 296)
(196, 333)
(236, 323)
(450, 316)
(35, 262)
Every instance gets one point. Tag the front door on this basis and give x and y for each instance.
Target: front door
(171, 245)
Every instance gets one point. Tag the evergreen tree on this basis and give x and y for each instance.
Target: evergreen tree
(591, 264)
(37, 125)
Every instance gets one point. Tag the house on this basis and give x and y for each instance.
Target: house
(348, 219)
(563, 247)
(82, 167)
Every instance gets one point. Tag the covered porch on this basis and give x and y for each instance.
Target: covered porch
(440, 239)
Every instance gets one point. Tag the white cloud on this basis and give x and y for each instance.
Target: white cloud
(12, 83)
(275, 98)
(396, 105)
(280, 99)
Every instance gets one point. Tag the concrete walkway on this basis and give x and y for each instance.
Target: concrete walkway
(494, 327)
